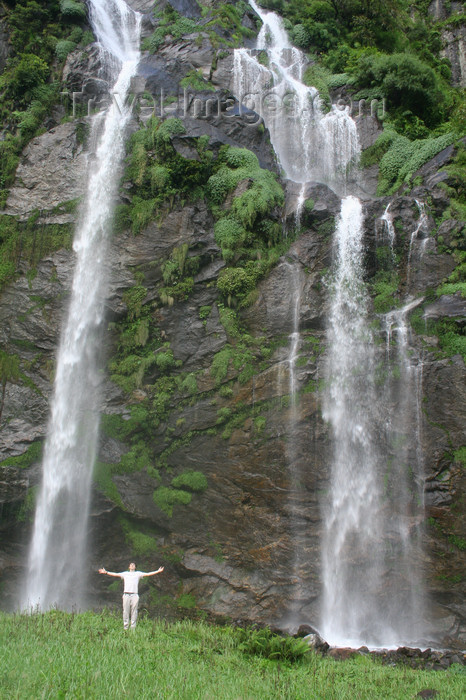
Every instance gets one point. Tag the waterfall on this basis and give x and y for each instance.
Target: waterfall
(372, 593)
(372, 511)
(421, 226)
(323, 146)
(389, 229)
(351, 557)
(404, 481)
(293, 456)
(57, 557)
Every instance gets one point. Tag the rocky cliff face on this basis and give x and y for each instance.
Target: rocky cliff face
(453, 37)
(216, 402)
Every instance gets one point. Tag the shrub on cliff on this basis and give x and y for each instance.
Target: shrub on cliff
(22, 74)
(262, 195)
(190, 479)
(73, 10)
(399, 158)
(405, 81)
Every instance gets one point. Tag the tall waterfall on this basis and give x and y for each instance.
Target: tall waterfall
(371, 589)
(370, 557)
(57, 558)
(352, 564)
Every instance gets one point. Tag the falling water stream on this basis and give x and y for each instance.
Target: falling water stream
(371, 593)
(351, 557)
(310, 145)
(56, 571)
(421, 227)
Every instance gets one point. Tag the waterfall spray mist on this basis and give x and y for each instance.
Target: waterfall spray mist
(56, 570)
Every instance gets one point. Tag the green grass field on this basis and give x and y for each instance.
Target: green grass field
(88, 655)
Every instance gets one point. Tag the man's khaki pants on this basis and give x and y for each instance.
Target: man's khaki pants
(130, 609)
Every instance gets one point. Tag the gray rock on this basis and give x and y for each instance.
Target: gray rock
(369, 129)
(316, 642)
(141, 5)
(448, 306)
(454, 42)
(52, 171)
(84, 65)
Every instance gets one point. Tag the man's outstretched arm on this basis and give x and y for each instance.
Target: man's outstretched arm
(152, 573)
(109, 573)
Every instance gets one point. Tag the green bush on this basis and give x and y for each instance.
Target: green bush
(300, 36)
(229, 234)
(189, 384)
(262, 642)
(27, 20)
(165, 360)
(142, 213)
(220, 184)
(142, 545)
(192, 480)
(162, 132)
(159, 178)
(170, 24)
(384, 287)
(220, 364)
(129, 372)
(196, 81)
(405, 81)
(159, 174)
(22, 74)
(134, 298)
(63, 48)
(403, 157)
(165, 498)
(236, 281)
(261, 196)
(241, 158)
(73, 10)
(259, 199)
(29, 121)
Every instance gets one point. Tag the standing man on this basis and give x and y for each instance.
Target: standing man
(130, 595)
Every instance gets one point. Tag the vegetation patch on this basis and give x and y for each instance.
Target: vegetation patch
(159, 175)
(449, 331)
(247, 232)
(27, 459)
(193, 660)
(28, 243)
(385, 287)
(191, 480)
(166, 498)
(219, 22)
(142, 545)
(264, 643)
(400, 158)
(39, 35)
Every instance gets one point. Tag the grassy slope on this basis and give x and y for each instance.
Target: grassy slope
(88, 655)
